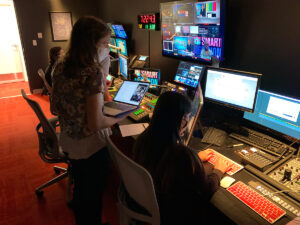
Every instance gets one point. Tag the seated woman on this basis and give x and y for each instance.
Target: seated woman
(182, 185)
(55, 53)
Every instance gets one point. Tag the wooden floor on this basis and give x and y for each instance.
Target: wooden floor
(22, 170)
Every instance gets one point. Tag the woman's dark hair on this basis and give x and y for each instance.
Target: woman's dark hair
(162, 135)
(86, 33)
(54, 54)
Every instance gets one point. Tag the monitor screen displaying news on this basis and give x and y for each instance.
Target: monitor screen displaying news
(193, 30)
(277, 112)
(121, 43)
(123, 66)
(148, 75)
(232, 88)
(188, 74)
(119, 31)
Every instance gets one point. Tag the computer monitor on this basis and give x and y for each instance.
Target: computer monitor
(148, 75)
(277, 112)
(113, 34)
(119, 30)
(189, 74)
(122, 44)
(113, 42)
(232, 88)
(193, 30)
(123, 60)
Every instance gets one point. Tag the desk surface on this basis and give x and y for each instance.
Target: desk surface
(228, 204)
(232, 207)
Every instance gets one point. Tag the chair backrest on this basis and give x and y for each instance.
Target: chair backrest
(42, 75)
(137, 181)
(48, 141)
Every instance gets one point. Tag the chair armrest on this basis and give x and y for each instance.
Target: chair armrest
(54, 122)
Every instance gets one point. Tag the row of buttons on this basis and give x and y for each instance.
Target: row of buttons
(278, 200)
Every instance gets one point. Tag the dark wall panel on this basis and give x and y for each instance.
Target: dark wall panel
(261, 36)
(32, 16)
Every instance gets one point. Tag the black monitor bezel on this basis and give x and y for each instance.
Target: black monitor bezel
(150, 69)
(199, 80)
(237, 72)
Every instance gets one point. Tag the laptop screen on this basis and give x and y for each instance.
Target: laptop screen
(132, 92)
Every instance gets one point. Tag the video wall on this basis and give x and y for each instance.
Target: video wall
(193, 30)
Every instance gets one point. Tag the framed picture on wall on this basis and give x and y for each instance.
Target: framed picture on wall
(61, 25)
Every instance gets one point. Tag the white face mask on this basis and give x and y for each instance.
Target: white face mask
(102, 54)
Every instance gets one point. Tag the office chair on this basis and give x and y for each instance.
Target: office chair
(49, 89)
(139, 185)
(42, 76)
(49, 149)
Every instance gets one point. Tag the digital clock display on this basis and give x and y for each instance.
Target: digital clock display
(148, 21)
(147, 18)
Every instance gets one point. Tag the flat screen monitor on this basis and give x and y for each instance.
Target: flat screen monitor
(232, 88)
(113, 42)
(123, 60)
(189, 74)
(121, 43)
(119, 30)
(113, 34)
(277, 112)
(193, 30)
(148, 75)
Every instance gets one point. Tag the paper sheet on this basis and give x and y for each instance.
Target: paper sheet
(133, 129)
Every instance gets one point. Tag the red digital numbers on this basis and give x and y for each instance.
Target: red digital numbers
(147, 18)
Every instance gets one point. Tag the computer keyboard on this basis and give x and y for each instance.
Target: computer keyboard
(261, 205)
(214, 136)
(256, 158)
(234, 168)
(262, 141)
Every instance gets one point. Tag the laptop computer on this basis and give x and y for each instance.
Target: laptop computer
(128, 98)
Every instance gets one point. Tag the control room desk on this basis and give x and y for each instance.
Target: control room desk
(228, 204)
(232, 207)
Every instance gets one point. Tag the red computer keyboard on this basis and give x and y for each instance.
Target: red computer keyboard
(257, 202)
(235, 167)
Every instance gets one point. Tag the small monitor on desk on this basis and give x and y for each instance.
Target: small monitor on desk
(123, 60)
(232, 88)
(148, 75)
(119, 31)
(189, 74)
(277, 112)
(113, 42)
(121, 43)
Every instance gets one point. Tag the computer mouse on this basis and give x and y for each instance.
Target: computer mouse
(226, 181)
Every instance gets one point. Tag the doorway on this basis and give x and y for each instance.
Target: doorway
(12, 65)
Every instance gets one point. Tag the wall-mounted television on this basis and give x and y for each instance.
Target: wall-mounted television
(193, 30)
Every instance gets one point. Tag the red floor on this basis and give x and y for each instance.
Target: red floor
(13, 89)
(22, 170)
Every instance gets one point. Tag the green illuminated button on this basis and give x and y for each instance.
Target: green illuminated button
(154, 101)
(138, 112)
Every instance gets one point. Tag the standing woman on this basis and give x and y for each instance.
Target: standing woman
(78, 87)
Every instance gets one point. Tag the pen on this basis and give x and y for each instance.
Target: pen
(236, 145)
